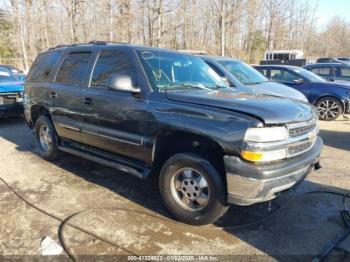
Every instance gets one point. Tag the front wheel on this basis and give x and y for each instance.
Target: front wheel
(192, 190)
(329, 108)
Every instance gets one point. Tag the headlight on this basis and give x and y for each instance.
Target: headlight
(266, 134)
(269, 144)
(256, 139)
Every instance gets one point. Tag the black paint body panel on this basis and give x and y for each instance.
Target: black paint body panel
(129, 124)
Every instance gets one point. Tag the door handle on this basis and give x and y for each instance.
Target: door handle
(87, 101)
(53, 95)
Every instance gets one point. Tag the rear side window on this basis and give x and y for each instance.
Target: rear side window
(322, 71)
(73, 68)
(108, 63)
(42, 66)
(343, 72)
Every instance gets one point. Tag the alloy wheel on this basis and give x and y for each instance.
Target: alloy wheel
(328, 109)
(190, 189)
(45, 137)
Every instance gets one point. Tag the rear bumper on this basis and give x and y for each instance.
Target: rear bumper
(249, 183)
(11, 110)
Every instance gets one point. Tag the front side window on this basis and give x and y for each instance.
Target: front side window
(246, 74)
(73, 68)
(262, 71)
(43, 65)
(310, 76)
(281, 75)
(168, 70)
(108, 63)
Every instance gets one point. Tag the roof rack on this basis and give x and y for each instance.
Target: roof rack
(193, 52)
(93, 42)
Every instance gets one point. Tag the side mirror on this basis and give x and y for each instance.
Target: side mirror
(121, 82)
(298, 81)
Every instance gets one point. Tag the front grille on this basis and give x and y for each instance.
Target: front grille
(301, 130)
(7, 99)
(299, 148)
(303, 135)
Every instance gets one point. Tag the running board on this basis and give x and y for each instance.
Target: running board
(141, 172)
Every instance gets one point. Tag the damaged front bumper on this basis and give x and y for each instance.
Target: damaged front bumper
(249, 183)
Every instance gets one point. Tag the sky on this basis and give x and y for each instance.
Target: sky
(330, 8)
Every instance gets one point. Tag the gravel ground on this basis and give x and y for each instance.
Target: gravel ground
(128, 212)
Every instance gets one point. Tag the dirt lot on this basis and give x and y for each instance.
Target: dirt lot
(128, 212)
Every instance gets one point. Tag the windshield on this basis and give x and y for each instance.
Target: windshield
(168, 70)
(6, 77)
(246, 74)
(312, 77)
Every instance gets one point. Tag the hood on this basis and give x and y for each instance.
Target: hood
(277, 89)
(269, 109)
(11, 87)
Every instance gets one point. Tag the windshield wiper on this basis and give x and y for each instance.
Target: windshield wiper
(255, 83)
(184, 85)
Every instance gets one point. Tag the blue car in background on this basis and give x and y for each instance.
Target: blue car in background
(331, 98)
(339, 72)
(244, 78)
(18, 73)
(11, 93)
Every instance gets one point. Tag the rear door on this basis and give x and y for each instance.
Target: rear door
(115, 121)
(67, 94)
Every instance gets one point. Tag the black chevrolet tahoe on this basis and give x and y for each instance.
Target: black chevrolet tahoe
(149, 111)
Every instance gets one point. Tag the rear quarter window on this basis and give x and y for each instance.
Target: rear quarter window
(42, 66)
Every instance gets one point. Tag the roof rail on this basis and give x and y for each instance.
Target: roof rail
(99, 42)
(93, 42)
(61, 46)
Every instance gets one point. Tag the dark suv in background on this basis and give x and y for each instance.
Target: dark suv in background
(155, 111)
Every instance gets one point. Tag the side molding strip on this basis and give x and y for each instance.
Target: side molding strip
(114, 138)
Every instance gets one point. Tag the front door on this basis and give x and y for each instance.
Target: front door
(115, 121)
(291, 79)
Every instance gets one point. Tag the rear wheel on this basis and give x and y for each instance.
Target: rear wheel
(192, 189)
(46, 138)
(329, 108)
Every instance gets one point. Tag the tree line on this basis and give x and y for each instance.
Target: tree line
(242, 29)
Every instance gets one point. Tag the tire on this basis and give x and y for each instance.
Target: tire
(45, 133)
(329, 108)
(184, 191)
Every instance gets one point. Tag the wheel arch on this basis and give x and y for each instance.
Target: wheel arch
(36, 111)
(170, 143)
